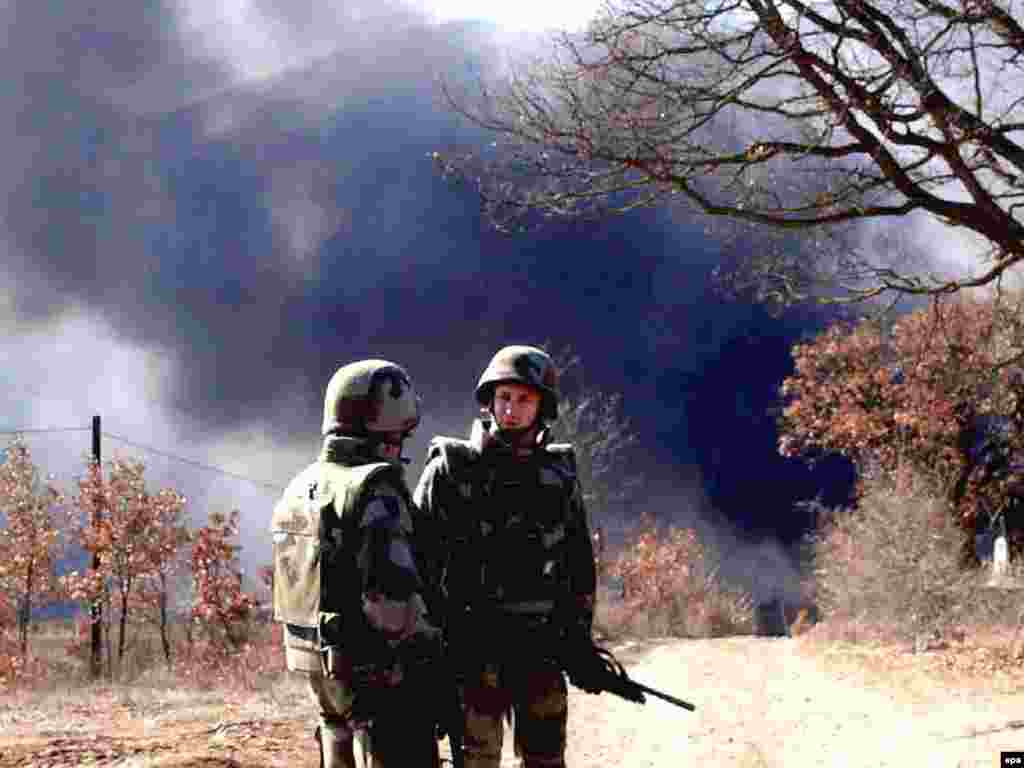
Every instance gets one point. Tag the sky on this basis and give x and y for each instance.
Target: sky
(208, 207)
(529, 15)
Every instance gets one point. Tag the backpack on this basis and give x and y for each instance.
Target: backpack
(313, 528)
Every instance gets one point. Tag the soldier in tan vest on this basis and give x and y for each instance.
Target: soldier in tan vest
(509, 557)
(346, 582)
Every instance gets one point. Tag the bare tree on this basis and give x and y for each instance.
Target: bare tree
(592, 420)
(805, 116)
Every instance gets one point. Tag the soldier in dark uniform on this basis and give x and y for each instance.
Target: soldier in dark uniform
(510, 559)
(346, 583)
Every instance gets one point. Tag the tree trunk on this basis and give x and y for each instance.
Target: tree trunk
(958, 489)
(25, 611)
(122, 623)
(106, 635)
(228, 633)
(164, 641)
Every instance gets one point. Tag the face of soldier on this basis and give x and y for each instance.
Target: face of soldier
(515, 405)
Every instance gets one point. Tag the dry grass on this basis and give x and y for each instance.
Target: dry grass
(969, 665)
(60, 671)
(68, 704)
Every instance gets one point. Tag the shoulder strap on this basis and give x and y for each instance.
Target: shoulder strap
(565, 452)
(346, 486)
(456, 455)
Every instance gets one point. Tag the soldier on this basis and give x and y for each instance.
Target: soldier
(510, 559)
(346, 583)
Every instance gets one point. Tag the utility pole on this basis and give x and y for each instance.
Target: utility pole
(96, 611)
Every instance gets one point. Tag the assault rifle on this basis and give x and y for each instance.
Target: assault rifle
(452, 720)
(596, 670)
(450, 717)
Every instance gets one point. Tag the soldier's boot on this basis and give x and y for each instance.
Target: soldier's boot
(544, 755)
(542, 761)
(336, 748)
(405, 743)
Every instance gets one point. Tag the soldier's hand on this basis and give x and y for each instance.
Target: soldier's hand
(584, 668)
(584, 681)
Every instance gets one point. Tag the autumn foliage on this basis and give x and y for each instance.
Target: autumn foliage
(219, 598)
(668, 579)
(228, 646)
(136, 537)
(148, 558)
(31, 542)
(925, 394)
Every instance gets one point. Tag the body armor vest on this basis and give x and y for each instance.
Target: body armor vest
(508, 551)
(315, 535)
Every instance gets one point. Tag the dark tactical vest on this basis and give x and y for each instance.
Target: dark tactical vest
(315, 538)
(508, 524)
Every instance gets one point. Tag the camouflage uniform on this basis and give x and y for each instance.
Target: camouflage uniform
(346, 583)
(510, 558)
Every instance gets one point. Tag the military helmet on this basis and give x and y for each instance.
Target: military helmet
(370, 396)
(526, 365)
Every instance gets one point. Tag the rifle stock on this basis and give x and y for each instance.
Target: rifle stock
(430, 655)
(451, 717)
(454, 719)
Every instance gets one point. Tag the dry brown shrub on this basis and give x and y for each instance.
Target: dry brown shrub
(257, 663)
(40, 665)
(890, 568)
(670, 586)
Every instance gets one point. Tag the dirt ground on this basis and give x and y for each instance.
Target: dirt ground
(760, 702)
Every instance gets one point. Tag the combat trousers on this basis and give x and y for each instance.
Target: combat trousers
(401, 738)
(536, 695)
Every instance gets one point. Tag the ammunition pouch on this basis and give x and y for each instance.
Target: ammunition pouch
(315, 584)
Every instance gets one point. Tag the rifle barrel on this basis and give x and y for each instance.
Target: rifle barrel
(664, 696)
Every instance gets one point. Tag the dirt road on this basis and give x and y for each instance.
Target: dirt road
(760, 703)
(768, 702)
